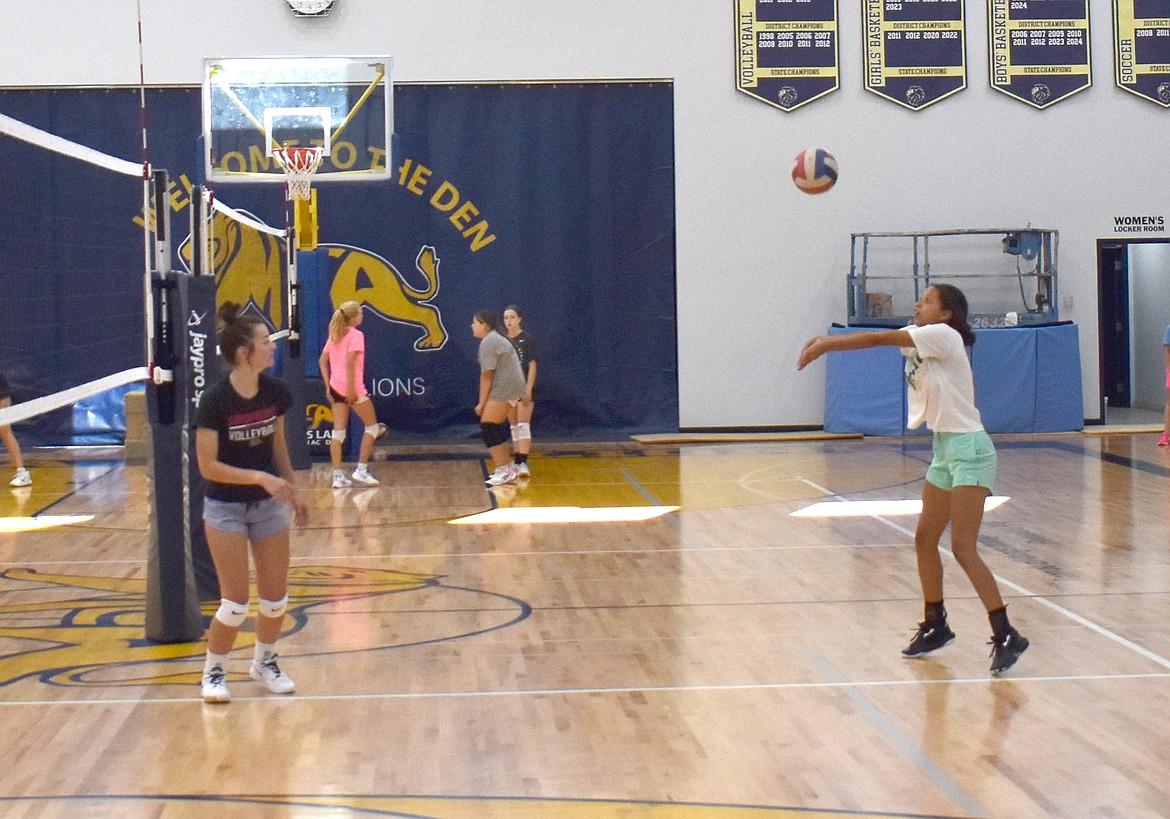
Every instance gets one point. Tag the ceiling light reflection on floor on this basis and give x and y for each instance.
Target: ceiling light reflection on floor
(885, 508)
(40, 522)
(568, 514)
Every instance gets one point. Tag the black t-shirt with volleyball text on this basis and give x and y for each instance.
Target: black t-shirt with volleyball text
(246, 428)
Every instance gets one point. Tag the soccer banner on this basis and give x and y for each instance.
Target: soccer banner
(787, 50)
(915, 50)
(1141, 43)
(1038, 50)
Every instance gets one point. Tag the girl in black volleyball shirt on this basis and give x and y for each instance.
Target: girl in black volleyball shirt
(520, 416)
(251, 495)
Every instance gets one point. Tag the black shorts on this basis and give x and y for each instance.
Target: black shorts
(338, 398)
(5, 388)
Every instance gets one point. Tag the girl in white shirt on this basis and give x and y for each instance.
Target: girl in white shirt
(942, 394)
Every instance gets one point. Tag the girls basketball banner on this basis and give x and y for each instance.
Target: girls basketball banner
(1038, 50)
(1141, 42)
(915, 50)
(787, 50)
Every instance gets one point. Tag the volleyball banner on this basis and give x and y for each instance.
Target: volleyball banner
(787, 51)
(556, 198)
(1141, 42)
(1038, 50)
(915, 50)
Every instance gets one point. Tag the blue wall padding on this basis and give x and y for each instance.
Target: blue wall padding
(1027, 379)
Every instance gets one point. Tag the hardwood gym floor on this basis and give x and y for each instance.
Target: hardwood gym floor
(727, 659)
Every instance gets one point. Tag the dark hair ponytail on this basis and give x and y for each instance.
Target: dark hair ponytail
(236, 331)
(952, 299)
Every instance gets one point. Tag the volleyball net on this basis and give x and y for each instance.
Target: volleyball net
(76, 232)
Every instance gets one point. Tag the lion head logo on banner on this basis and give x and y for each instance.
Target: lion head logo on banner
(247, 264)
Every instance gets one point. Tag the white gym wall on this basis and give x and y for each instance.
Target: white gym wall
(760, 266)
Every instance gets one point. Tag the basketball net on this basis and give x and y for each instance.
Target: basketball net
(299, 165)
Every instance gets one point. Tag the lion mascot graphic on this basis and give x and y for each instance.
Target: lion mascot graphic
(247, 265)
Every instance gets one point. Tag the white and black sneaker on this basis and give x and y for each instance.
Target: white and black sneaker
(22, 478)
(215, 685)
(340, 479)
(362, 475)
(504, 474)
(269, 673)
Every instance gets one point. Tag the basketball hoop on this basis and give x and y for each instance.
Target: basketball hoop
(299, 165)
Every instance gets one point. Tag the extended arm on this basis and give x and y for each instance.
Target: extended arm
(816, 347)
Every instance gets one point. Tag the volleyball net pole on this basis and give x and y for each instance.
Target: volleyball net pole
(179, 570)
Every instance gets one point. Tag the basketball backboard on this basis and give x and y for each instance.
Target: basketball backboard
(254, 105)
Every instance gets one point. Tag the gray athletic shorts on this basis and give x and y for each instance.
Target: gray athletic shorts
(254, 520)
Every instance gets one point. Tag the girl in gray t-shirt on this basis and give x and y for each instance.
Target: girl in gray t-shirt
(501, 384)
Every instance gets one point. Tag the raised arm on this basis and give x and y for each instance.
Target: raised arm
(816, 347)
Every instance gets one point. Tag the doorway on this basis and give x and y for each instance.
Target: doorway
(1133, 293)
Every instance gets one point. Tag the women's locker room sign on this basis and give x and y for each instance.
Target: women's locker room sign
(1038, 50)
(787, 50)
(915, 50)
(1141, 43)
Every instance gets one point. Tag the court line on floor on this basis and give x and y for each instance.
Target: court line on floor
(896, 737)
(1038, 598)
(630, 689)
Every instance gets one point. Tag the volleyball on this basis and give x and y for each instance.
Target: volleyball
(815, 170)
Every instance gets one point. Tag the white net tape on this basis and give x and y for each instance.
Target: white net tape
(47, 403)
(299, 165)
(35, 136)
(244, 218)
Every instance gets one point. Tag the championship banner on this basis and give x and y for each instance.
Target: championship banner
(1038, 50)
(915, 50)
(787, 50)
(1141, 44)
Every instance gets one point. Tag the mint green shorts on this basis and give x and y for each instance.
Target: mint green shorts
(962, 459)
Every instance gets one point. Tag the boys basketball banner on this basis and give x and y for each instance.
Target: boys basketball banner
(1038, 50)
(557, 198)
(1141, 42)
(915, 50)
(787, 53)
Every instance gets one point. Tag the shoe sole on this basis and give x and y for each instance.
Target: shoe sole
(215, 700)
(997, 671)
(950, 640)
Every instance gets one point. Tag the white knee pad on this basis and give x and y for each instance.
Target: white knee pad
(522, 432)
(374, 431)
(338, 435)
(231, 613)
(273, 608)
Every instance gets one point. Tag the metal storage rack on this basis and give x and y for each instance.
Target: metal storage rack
(889, 272)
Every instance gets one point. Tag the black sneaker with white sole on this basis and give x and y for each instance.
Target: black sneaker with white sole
(929, 637)
(1005, 651)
